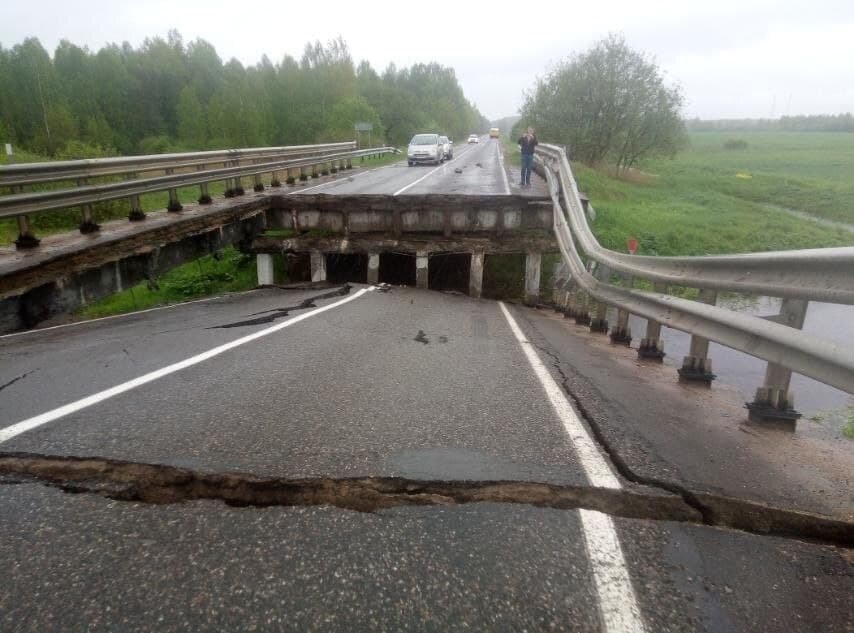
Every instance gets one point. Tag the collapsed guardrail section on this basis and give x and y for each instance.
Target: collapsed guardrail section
(175, 170)
(798, 277)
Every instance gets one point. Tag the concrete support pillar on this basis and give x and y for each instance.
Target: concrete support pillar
(651, 346)
(421, 262)
(264, 264)
(774, 402)
(533, 264)
(476, 274)
(697, 366)
(373, 268)
(318, 266)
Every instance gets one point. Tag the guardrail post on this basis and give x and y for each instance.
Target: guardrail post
(774, 402)
(349, 163)
(582, 307)
(174, 203)
(570, 307)
(533, 265)
(318, 266)
(274, 180)
(373, 268)
(258, 184)
(136, 213)
(264, 265)
(333, 168)
(697, 366)
(476, 274)
(289, 177)
(314, 173)
(621, 333)
(87, 223)
(422, 260)
(204, 194)
(600, 322)
(651, 346)
(26, 239)
(302, 175)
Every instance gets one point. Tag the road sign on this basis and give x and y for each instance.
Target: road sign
(363, 127)
(632, 245)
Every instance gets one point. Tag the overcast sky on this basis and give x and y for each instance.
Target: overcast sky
(733, 58)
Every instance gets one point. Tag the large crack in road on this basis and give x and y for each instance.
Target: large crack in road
(161, 484)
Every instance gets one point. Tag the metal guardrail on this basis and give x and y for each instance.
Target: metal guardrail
(797, 276)
(192, 169)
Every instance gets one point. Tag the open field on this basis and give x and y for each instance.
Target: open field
(710, 199)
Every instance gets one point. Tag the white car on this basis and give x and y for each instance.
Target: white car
(425, 148)
(474, 138)
(447, 147)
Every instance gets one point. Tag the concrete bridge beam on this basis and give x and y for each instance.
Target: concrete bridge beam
(373, 268)
(421, 264)
(533, 266)
(318, 266)
(264, 264)
(476, 274)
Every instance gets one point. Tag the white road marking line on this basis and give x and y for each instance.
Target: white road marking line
(618, 605)
(36, 421)
(503, 170)
(599, 474)
(429, 173)
(617, 601)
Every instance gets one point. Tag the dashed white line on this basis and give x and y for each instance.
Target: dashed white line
(617, 602)
(49, 416)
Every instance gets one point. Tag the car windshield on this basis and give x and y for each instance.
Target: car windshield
(443, 139)
(424, 139)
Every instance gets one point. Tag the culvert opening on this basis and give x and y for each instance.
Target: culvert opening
(351, 267)
(503, 276)
(449, 271)
(297, 267)
(397, 269)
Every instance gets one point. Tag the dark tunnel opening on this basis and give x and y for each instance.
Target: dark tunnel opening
(397, 269)
(449, 271)
(503, 276)
(352, 267)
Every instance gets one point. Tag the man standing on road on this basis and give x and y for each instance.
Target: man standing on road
(527, 142)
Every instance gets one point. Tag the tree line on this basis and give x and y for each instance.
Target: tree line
(799, 123)
(167, 95)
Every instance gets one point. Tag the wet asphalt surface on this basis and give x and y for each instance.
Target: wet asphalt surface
(407, 383)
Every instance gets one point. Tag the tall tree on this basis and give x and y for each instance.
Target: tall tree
(608, 104)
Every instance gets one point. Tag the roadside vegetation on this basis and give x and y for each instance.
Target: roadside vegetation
(226, 271)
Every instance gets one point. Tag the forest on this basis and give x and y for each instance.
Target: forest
(166, 95)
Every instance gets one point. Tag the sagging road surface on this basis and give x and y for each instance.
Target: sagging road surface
(361, 458)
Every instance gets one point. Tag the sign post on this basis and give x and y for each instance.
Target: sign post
(362, 126)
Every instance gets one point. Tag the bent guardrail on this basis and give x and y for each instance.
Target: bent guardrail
(797, 276)
(179, 170)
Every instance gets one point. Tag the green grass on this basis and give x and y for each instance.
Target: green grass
(696, 204)
(848, 427)
(227, 271)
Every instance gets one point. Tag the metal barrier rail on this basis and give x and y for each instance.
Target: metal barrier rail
(820, 274)
(777, 339)
(275, 160)
(25, 174)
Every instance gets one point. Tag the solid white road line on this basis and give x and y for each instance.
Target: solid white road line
(36, 421)
(503, 171)
(617, 602)
(599, 474)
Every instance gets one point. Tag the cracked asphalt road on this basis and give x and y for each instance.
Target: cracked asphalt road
(355, 391)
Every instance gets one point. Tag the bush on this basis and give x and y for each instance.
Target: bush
(735, 144)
